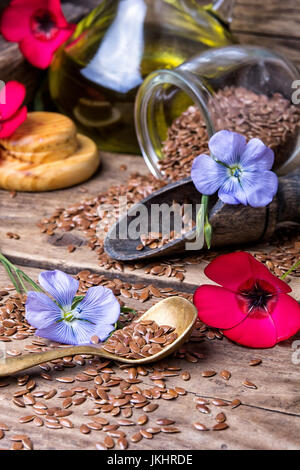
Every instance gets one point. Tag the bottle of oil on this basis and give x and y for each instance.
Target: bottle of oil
(96, 74)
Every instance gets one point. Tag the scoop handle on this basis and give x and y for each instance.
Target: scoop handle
(11, 365)
(288, 197)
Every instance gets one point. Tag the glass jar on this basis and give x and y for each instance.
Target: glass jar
(240, 88)
(95, 75)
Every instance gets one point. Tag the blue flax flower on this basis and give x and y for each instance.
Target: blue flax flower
(63, 319)
(238, 170)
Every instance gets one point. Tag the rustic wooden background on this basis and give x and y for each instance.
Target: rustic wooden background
(269, 23)
(270, 415)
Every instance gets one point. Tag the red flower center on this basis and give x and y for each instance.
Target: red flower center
(256, 297)
(43, 25)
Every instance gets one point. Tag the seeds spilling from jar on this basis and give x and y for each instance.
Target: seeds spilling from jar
(273, 119)
(140, 339)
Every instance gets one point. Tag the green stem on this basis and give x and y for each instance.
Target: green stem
(295, 266)
(17, 276)
(202, 223)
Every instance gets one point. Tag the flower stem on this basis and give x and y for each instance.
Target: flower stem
(18, 277)
(202, 222)
(295, 266)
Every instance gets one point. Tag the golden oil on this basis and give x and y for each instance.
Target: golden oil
(95, 76)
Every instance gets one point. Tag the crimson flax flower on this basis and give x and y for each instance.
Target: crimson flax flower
(12, 113)
(238, 170)
(39, 26)
(251, 305)
(67, 319)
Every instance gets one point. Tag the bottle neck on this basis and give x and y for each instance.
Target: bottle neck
(150, 110)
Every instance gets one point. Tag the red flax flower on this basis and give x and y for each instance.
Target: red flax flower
(12, 113)
(39, 26)
(252, 306)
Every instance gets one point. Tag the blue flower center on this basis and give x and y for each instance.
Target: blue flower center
(68, 316)
(235, 171)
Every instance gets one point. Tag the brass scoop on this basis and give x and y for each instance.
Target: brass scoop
(174, 311)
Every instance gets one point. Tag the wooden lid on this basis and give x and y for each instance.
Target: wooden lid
(42, 133)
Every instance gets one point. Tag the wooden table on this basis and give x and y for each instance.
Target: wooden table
(269, 417)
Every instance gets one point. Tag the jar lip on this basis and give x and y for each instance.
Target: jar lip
(193, 86)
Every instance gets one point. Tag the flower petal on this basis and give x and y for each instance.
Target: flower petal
(260, 187)
(40, 53)
(40, 310)
(254, 332)
(103, 331)
(257, 156)
(59, 332)
(286, 317)
(227, 146)
(82, 331)
(231, 192)
(8, 127)
(233, 270)
(207, 175)
(99, 306)
(11, 98)
(55, 7)
(15, 21)
(217, 307)
(60, 286)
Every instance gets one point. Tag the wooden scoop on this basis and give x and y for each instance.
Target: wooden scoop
(173, 311)
(231, 224)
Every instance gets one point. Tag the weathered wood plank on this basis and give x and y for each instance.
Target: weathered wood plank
(270, 17)
(39, 250)
(288, 47)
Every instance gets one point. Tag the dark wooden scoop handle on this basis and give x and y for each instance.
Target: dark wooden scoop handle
(244, 224)
(288, 197)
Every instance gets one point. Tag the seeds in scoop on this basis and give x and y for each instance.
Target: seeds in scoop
(132, 342)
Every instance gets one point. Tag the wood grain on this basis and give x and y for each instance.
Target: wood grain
(51, 252)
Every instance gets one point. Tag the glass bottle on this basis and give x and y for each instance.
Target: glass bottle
(95, 75)
(208, 82)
